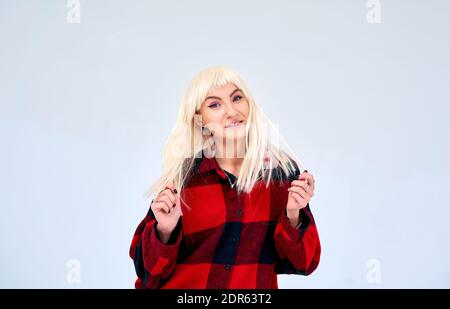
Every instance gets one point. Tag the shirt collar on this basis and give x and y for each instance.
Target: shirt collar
(205, 164)
(210, 164)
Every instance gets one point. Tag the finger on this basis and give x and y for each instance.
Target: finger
(165, 199)
(307, 188)
(162, 207)
(300, 183)
(177, 207)
(299, 191)
(168, 202)
(309, 177)
(171, 186)
(170, 195)
(310, 180)
(300, 200)
(312, 187)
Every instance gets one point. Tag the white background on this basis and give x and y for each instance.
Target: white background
(85, 109)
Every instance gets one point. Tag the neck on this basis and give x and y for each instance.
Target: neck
(230, 154)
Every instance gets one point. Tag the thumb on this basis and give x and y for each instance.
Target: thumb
(170, 185)
(178, 204)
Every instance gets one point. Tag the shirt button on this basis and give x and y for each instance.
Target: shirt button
(228, 266)
(240, 212)
(234, 238)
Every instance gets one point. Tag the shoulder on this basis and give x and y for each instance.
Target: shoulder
(289, 172)
(191, 167)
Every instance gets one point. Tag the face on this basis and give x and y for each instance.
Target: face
(225, 111)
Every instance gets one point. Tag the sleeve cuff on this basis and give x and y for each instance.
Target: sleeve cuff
(170, 248)
(295, 233)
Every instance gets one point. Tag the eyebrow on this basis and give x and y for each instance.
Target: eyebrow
(217, 98)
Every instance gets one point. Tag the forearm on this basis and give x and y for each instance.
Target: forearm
(162, 235)
(294, 217)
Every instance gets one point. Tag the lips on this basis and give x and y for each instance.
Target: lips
(234, 124)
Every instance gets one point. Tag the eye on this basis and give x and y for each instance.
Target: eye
(213, 105)
(237, 98)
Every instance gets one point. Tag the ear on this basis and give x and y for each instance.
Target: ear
(198, 120)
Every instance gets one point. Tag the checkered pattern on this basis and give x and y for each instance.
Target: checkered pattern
(227, 240)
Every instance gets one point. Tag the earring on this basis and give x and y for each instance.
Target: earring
(206, 131)
(209, 149)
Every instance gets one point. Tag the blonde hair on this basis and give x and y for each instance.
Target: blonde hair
(186, 140)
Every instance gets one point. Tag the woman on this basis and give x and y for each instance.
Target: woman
(231, 208)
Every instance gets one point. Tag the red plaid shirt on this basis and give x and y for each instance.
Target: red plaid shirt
(227, 240)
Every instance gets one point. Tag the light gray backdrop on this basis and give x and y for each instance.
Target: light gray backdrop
(360, 92)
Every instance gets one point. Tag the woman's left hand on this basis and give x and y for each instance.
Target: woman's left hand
(300, 193)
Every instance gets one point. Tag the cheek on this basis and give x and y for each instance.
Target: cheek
(207, 114)
(245, 109)
(211, 116)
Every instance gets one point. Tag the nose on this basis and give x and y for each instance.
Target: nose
(230, 111)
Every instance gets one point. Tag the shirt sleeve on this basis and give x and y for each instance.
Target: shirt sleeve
(298, 249)
(154, 261)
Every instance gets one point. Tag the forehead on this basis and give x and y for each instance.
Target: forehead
(222, 91)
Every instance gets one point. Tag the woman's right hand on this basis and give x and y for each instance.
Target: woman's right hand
(167, 210)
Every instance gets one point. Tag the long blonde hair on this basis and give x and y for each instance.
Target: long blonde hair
(187, 140)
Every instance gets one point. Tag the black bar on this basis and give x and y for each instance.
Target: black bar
(199, 298)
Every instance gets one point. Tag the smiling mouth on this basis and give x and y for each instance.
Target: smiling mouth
(234, 124)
